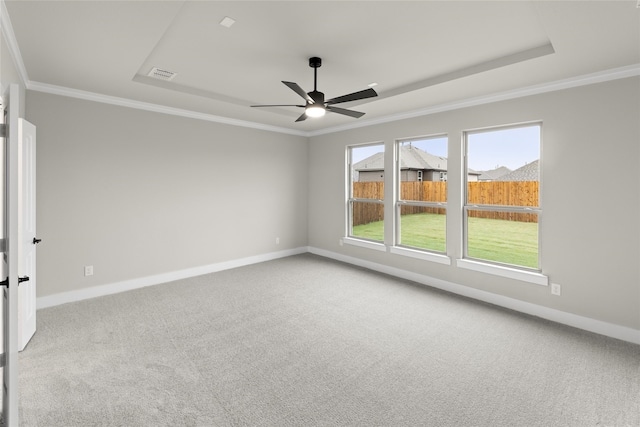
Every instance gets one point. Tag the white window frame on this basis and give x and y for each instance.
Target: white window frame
(524, 273)
(350, 238)
(398, 247)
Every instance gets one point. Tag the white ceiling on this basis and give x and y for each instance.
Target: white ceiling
(422, 54)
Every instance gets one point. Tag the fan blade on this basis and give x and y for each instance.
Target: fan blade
(363, 94)
(344, 111)
(279, 105)
(302, 117)
(297, 89)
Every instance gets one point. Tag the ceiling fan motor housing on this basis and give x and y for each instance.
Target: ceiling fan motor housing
(318, 97)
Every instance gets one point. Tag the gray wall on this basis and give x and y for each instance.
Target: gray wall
(136, 193)
(590, 233)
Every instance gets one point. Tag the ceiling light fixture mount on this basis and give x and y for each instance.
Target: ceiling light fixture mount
(315, 105)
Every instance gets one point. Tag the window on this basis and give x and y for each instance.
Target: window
(422, 193)
(502, 202)
(366, 192)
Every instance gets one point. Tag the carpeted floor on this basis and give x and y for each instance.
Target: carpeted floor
(306, 341)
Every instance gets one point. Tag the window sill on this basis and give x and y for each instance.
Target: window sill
(427, 256)
(364, 244)
(511, 273)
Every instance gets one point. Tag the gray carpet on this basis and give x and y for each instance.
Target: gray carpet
(306, 341)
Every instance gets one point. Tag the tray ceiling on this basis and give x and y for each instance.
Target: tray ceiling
(421, 54)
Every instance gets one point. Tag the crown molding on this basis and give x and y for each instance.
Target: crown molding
(583, 80)
(156, 108)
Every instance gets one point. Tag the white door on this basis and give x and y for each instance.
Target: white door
(26, 232)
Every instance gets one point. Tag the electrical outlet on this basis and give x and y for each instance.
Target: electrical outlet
(277, 240)
(340, 242)
(556, 289)
(88, 270)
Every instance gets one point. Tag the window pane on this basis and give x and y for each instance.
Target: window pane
(367, 165)
(423, 228)
(503, 167)
(504, 237)
(423, 169)
(367, 182)
(367, 220)
(422, 177)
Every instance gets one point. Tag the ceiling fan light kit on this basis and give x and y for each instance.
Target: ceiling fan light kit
(315, 111)
(315, 105)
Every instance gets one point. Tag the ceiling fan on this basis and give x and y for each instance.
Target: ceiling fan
(315, 105)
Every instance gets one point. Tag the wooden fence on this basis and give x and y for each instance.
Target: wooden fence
(364, 213)
(504, 193)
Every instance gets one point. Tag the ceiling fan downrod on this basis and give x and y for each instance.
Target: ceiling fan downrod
(315, 63)
(318, 97)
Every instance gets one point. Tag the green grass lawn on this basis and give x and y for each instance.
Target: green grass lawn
(508, 242)
(424, 231)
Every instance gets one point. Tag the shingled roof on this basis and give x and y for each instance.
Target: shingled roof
(528, 172)
(415, 158)
(375, 162)
(494, 174)
(410, 158)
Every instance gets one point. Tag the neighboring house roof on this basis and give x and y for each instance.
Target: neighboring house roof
(410, 158)
(528, 172)
(374, 162)
(494, 174)
(415, 158)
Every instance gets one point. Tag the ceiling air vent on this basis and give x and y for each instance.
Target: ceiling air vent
(160, 74)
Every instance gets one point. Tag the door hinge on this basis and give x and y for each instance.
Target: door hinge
(3, 130)
(3, 360)
(5, 282)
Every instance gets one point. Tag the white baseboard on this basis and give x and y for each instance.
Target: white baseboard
(592, 325)
(127, 285)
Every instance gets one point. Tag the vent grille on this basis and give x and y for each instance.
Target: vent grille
(160, 74)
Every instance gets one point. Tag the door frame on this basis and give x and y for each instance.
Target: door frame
(11, 101)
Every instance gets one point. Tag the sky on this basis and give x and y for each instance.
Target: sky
(512, 147)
